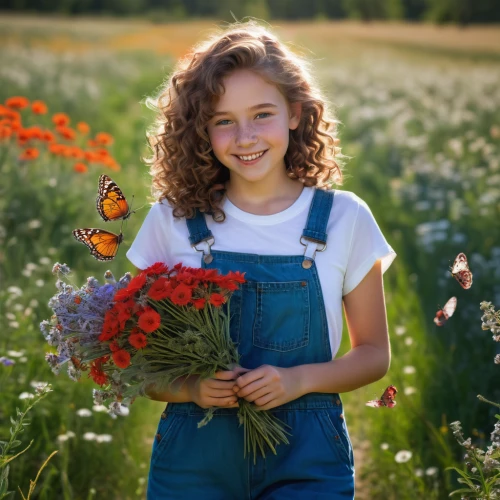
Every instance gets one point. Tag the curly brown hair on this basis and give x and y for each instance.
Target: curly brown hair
(184, 168)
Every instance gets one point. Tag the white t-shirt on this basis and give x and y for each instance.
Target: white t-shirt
(355, 242)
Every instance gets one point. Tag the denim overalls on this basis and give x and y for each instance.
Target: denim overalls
(277, 318)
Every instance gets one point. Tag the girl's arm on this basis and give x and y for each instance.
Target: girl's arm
(370, 354)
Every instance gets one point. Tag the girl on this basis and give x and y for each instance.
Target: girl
(243, 164)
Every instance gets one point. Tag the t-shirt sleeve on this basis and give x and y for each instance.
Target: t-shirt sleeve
(150, 244)
(368, 244)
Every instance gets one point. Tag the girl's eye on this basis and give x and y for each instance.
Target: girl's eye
(220, 122)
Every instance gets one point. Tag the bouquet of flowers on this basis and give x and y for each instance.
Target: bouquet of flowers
(148, 332)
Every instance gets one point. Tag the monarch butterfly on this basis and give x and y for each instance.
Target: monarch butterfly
(444, 314)
(111, 202)
(387, 399)
(103, 245)
(461, 272)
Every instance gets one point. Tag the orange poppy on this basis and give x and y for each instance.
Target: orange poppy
(29, 154)
(39, 107)
(17, 102)
(81, 168)
(60, 119)
(83, 127)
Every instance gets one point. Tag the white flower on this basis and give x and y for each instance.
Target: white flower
(84, 412)
(104, 438)
(70, 434)
(45, 261)
(33, 303)
(31, 266)
(16, 354)
(402, 456)
(62, 438)
(89, 436)
(384, 446)
(10, 316)
(14, 324)
(18, 307)
(36, 383)
(23, 359)
(99, 408)
(419, 472)
(408, 370)
(39, 283)
(15, 290)
(34, 224)
(26, 272)
(431, 471)
(28, 311)
(124, 411)
(400, 330)
(409, 390)
(26, 395)
(408, 341)
(52, 182)
(52, 251)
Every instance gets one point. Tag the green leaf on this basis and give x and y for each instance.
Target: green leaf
(15, 444)
(463, 490)
(12, 421)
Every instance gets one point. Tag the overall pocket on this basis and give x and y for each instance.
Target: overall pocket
(282, 316)
(165, 433)
(339, 435)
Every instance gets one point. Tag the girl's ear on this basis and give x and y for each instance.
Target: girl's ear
(295, 113)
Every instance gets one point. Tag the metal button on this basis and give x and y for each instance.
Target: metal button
(337, 436)
(163, 416)
(303, 283)
(208, 258)
(338, 402)
(307, 264)
(158, 437)
(341, 416)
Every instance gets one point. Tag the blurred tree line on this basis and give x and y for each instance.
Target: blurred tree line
(439, 11)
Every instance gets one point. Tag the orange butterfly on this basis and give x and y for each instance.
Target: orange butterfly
(111, 205)
(111, 202)
(103, 245)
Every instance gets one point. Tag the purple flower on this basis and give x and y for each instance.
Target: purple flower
(6, 361)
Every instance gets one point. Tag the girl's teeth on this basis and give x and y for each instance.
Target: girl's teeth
(252, 157)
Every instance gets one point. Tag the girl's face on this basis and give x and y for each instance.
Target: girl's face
(252, 117)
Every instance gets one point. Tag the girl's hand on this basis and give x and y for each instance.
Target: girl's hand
(216, 391)
(268, 386)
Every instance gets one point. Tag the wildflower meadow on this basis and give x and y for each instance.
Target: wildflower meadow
(421, 125)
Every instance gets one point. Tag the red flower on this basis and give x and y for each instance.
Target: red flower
(156, 268)
(228, 284)
(149, 320)
(138, 340)
(137, 283)
(123, 294)
(160, 289)
(181, 295)
(216, 299)
(121, 358)
(113, 346)
(110, 328)
(97, 373)
(199, 303)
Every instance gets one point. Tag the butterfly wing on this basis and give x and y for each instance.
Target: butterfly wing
(110, 202)
(375, 403)
(461, 272)
(450, 306)
(441, 318)
(103, 245)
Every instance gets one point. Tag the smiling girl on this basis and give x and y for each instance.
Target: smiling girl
(244, 167)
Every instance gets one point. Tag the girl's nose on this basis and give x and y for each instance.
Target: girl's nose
(246, 137)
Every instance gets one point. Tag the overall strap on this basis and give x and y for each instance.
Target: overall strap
(198, 232)
(314, 233)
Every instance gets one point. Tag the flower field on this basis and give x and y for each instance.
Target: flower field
(422, 127)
